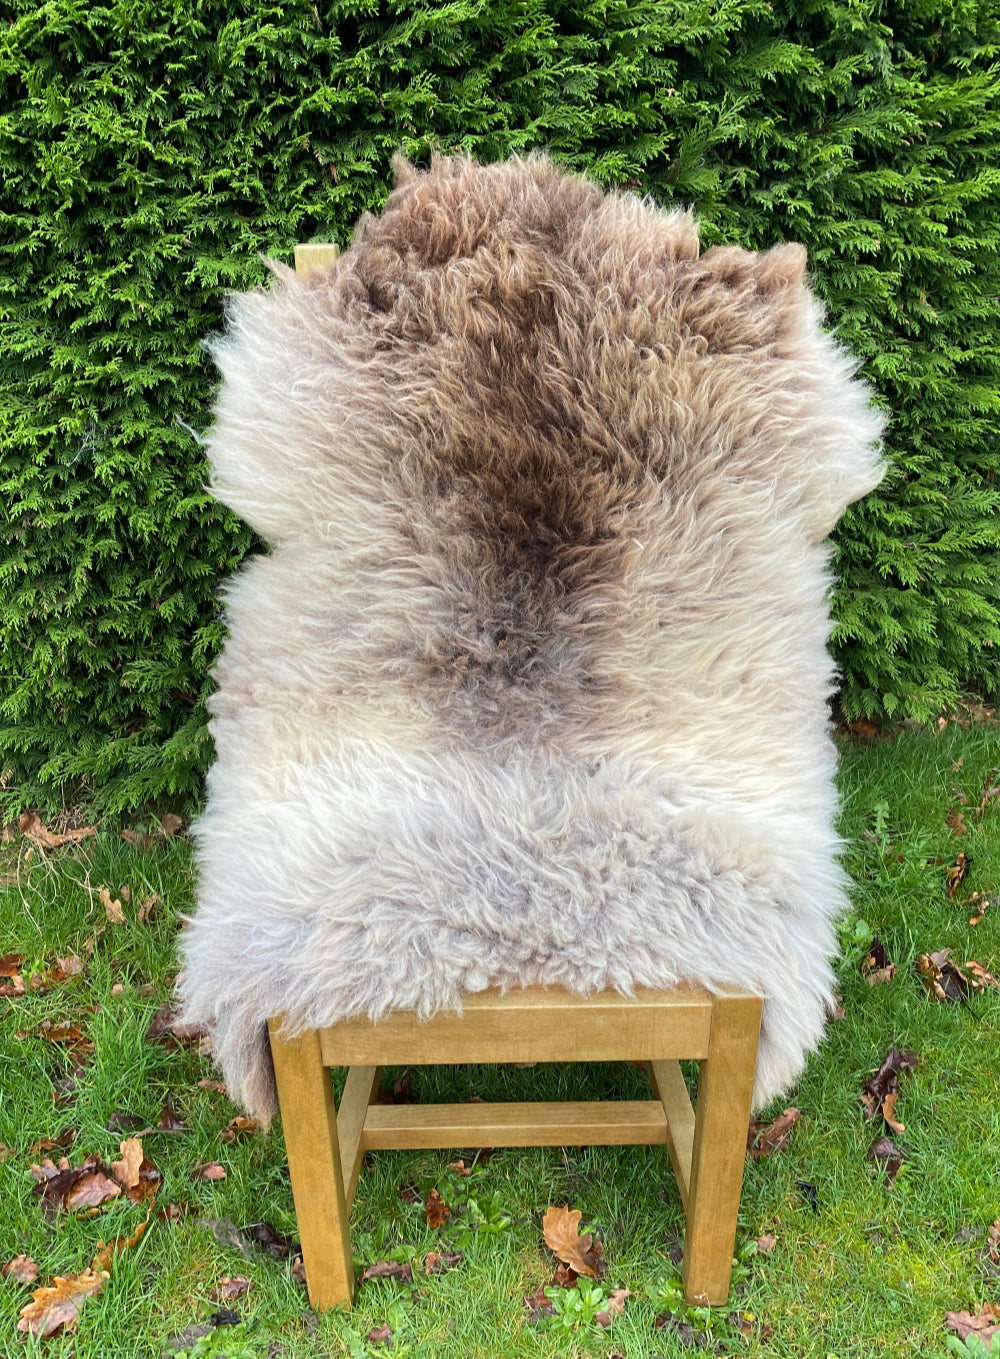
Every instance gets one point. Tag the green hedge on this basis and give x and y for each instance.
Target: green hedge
(153, 151)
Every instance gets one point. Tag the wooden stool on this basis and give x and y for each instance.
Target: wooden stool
(706, 1145)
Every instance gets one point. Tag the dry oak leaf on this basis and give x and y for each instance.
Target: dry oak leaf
(231, 1287)
(436, 1210)
(211, 1170)
(112, 908)
(126, 1171)
(615, 1306)
(981, 902)
(876, 966)
(945, 980)
(57, 1307)
(72, 1187)
(956, 873)
(561, 1229)
(435, 1262)
(889, 1113)
(985, 1323)
(884, 1152)
(993, 1242)
(218, 1086)
(765, 1138)
(977, 976)
(240, 1126)
(766, 1244)
(30, 825)
(22, 1269)
(387, 1269)
(885, 1081)
(166, 1028)
(106, 1251)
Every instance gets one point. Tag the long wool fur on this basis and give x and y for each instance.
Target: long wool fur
(532, 686)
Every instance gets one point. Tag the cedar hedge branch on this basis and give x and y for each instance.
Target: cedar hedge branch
(152, 153)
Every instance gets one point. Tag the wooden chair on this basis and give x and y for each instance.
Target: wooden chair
(706, 1145)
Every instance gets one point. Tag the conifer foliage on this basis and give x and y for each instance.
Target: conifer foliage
(152, 153)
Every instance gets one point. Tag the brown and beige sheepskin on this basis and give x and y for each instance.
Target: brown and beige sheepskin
(532, 686)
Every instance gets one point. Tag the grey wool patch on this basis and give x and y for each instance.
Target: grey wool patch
(532, 686)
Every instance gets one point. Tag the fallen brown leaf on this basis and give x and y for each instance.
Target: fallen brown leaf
(401, 1092)
(993, 1242)
(166, 1028)
(978, 978)
(30, 825)
(436, 1210)
(980, 902)
(231, 1287)
(955, 874)
(218, 1086)
(169, 1120)
(147, 907)
(766, 1244)
(22, 1269)
(884, 1152)
(944, 980)
(985, 1323)
(106, 1252)
(71, 1187)
(763, 1139)
(138, 839)
(126, 1171)
(379, 1335)
(859, 727)
(61, 971)
(112, 908)
(171, 823)
(56, 1307)
(240, 1126)
(889, 1113)
(540, 1305)
(436, 1262)
(561, 1230)
(387, 1269)
(273, 1242)
(459, 1168)
(876, 966)
(211, 1170)
(991, 791)
(885, 1082)
(12, 983)
(68, 1035)
(62, 1142)
(615, 1306)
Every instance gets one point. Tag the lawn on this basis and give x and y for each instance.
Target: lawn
(835, 1257)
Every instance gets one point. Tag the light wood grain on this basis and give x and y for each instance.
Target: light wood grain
(722, 1118)
(531, 1025)
(668, 1081)
(309, 1122)
(563, 1123)
(361, 1086)
(315, 255)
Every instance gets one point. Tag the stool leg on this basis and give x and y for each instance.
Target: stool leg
(722, 1118)
(309, 1121)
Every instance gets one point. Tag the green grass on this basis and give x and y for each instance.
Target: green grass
(873, 1271)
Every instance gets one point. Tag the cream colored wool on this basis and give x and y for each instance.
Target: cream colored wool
(532, 687)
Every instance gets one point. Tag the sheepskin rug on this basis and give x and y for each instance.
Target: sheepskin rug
(532, 686)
